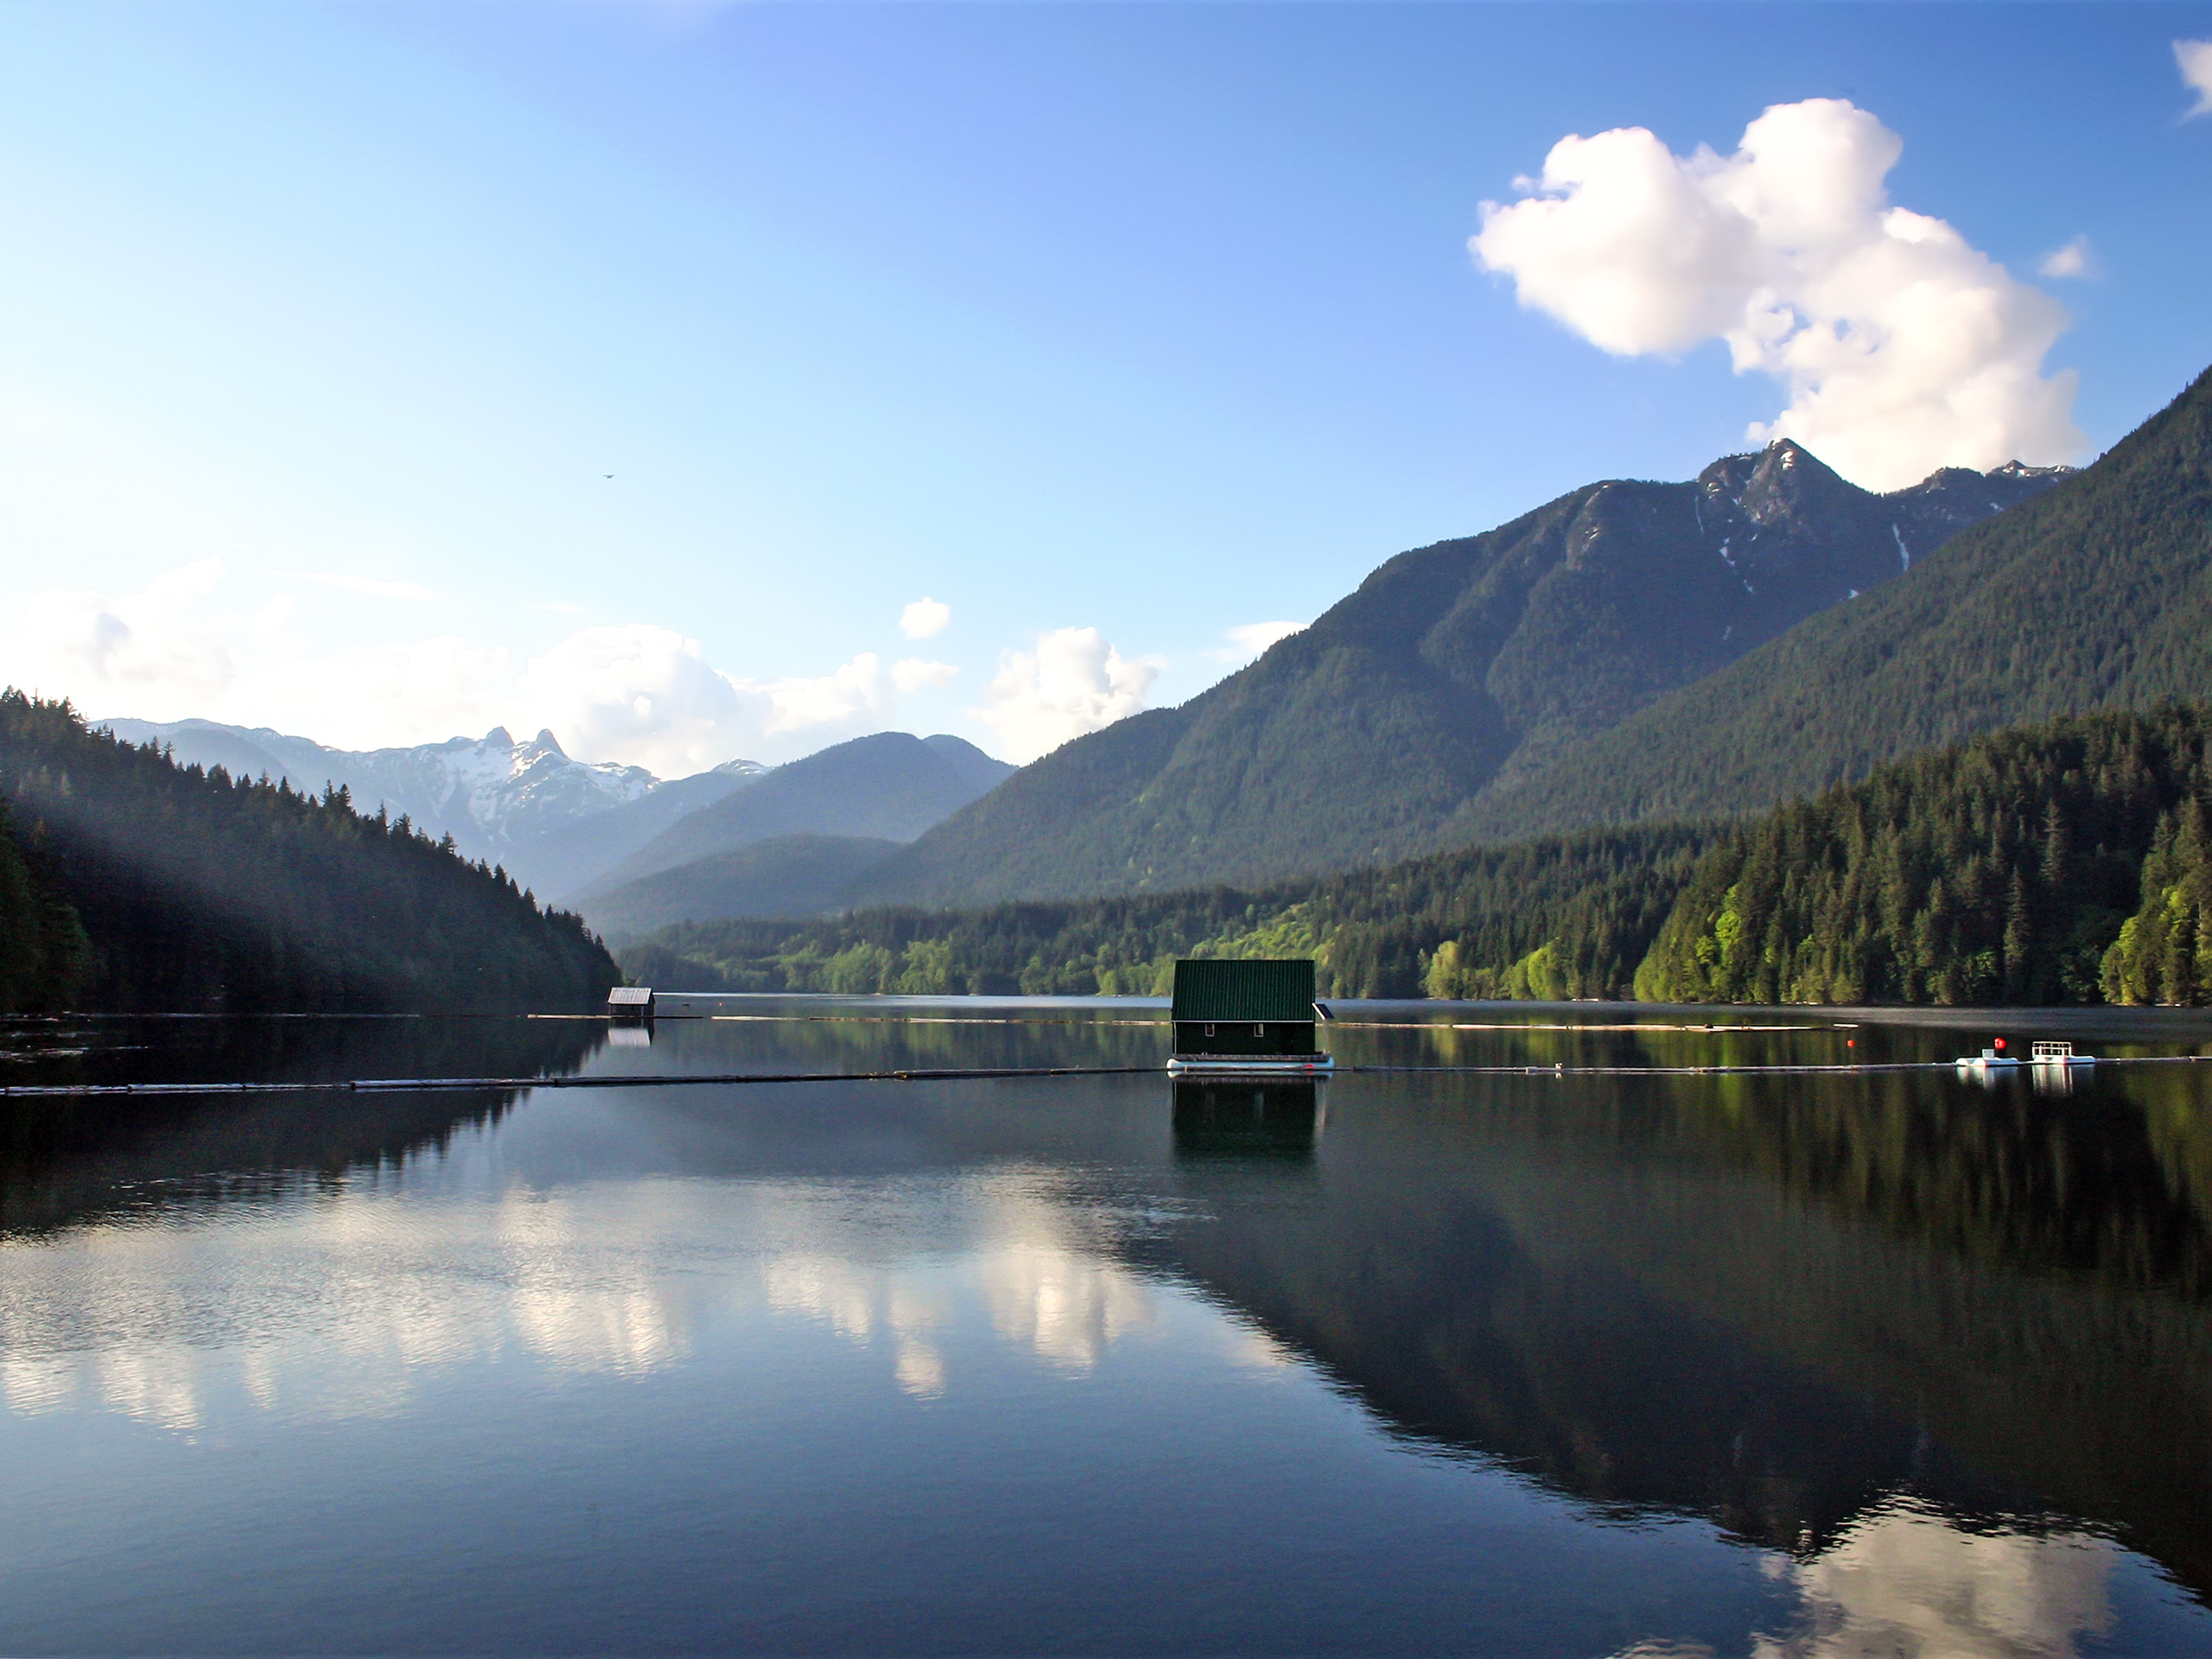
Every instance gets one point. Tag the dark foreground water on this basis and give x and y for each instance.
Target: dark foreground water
(1405, 1363)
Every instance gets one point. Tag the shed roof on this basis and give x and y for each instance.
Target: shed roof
(630, 996)
(1269, 991)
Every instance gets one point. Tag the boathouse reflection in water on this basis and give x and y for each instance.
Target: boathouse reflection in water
(1225, 1117)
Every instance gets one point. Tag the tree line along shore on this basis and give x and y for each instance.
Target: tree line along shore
(130, 884)
(2068, 862)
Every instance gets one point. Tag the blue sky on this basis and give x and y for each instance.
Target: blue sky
(1114, 330)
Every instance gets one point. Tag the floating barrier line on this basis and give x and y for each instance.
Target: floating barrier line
(1160, 1025)
(1846, 1068)
(1515, 1024)
(890, 1020)
(426, 1086)
(951, 1074)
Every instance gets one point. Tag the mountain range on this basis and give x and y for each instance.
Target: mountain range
(167, 888)
(581, 833)
(2095, 596)
(794, 842)
(2071, 594)
(1631, 651)
(1453, 672)
(501, 801)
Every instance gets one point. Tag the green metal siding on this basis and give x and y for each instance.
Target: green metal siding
(1247, 992)
(1273, 1039)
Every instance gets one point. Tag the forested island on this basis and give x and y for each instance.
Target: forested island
(129, 883)
(2066, 861)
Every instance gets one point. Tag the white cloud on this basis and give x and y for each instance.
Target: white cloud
(2075, 259)
(844, 697)
(638, 693)
(1248, 640)
(367, 587)
(912, 673)
(2194, 59)
(158, 648)
(645, 695)
(1073, 682)
(1903, 349)
(925, 617)
(634, 692)
(367, 695)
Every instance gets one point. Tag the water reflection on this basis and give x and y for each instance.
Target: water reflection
(1227, 1118)
(1932, 1366)
(1903, 1580)
(330, 1301)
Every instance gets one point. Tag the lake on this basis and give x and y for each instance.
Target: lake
(1587, 1363)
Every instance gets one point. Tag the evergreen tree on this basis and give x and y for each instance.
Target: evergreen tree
(197, 891)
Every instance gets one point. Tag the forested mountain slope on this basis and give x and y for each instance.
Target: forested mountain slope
(564, 857)
(782, 876)
(2065, 862)
(2061, 862)
(1562, 917)
(44, 955)
(200, 892)
(2096, 595)
(891, 786)
(1451, 666)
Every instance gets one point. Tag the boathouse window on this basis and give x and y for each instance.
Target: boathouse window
(1259, 1030)
(1209, 1031)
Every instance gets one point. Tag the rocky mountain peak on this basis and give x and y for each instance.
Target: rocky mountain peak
(1789, 481)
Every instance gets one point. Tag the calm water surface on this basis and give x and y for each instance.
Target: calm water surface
(1404, 1364)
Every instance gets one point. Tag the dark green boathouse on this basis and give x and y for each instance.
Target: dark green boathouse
(1262, 1010)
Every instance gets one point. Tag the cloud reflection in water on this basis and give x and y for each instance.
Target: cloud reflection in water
(338, 1305)
(1903, 1580)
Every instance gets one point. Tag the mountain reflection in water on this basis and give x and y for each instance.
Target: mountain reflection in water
(1765, 1365)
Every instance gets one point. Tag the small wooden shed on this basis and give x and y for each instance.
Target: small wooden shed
(628, 1002)
(1245, 1016)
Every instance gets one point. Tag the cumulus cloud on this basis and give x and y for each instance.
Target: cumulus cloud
(925, 617)
(638, 693)
(2075, 259)
(1248, 640)
(846, 695)
(1074, 681)
(2195, 58)
(1902, 348)
(364, 696)
(647, 695)
(632, 692)
(912, 673)
(158, 647)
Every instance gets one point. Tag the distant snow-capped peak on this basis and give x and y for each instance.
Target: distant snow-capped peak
(491, 793)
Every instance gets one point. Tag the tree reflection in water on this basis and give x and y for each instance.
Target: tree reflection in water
(1941, 1358)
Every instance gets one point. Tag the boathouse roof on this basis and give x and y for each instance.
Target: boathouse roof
(1272, 992)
